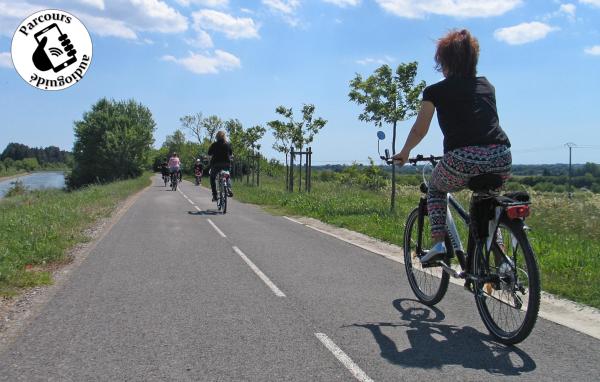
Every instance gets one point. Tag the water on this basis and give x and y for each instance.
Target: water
(36, 181)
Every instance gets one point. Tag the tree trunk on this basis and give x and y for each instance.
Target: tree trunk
(300, 173)
(393, 205)
(287, 171)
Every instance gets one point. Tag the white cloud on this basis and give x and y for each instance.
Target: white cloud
(593, 50)
(454, 8)
(126, 17)
(94, 3)
(343, 3)
(595, 3)
(5, 60)
(378, 61)
(287, 7)
(153, 15)
(205, 3)
(523, 33)
(106, 27)
(568, 9)
(12, 13)
(202, 40)
(232, 27)
(207, 64)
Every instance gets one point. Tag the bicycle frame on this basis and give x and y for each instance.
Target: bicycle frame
(452, 229)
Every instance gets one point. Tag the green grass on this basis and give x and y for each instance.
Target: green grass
(565, 233)
(38, 228)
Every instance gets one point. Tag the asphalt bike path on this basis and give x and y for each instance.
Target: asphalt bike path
(163, 298)
(364, 303)
(178, 291)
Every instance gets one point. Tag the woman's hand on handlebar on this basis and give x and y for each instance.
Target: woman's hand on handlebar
(401, 158)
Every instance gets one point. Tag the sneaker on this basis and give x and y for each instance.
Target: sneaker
(214, 199)
(230, 194)
(436, 253)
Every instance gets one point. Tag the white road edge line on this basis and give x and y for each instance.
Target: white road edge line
(372, 250)
(197, 208)
(262, 276)
(343, 358)
(216, 228)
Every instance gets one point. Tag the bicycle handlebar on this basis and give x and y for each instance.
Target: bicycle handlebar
(413, 161)
(420, 158)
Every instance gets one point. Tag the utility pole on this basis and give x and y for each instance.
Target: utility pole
(570, 145)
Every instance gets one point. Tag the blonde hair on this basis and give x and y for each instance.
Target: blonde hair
(221, 136)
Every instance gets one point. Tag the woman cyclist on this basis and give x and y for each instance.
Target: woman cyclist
(174, 165)
(474, 142)
(220, 159)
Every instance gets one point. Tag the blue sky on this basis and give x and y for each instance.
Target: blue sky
(241, 59)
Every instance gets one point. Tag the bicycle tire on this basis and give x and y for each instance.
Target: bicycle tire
(225, 202)
(488, 295)
(428, 276)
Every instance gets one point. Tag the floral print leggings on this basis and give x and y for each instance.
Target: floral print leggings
(452, 174)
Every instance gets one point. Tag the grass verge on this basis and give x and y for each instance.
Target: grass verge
(565, 233)
(37, 229)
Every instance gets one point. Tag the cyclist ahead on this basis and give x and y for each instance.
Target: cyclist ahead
(474, 142)
(175, 165)
(220, 159)
(164, 169)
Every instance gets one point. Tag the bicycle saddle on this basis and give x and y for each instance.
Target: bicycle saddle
(485, 182)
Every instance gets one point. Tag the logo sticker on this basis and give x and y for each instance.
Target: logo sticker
(51, 50)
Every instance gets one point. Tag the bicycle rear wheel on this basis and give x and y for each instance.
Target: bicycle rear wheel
(428, 284)
(509, 301)
(225, 202)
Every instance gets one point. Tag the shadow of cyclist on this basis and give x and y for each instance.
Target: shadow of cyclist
(434, 345)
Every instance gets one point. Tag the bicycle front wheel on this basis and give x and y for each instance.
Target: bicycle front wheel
(508, 296)
(428, 284)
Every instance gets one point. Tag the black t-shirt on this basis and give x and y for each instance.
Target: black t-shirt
(466, 111)
(221, 153)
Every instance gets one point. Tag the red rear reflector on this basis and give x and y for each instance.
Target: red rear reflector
(515, 212)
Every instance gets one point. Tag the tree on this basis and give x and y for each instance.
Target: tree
(212, 124)
(297, 133)
(388, 97)
(175, 142)
(283, 133)
(112, 141)
(195, 124)
(253, 135)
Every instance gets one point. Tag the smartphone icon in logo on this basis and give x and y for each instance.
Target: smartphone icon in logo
(54, 48)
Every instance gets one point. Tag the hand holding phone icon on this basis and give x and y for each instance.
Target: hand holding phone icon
(54, 50)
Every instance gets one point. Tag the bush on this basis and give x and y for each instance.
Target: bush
(113, 141)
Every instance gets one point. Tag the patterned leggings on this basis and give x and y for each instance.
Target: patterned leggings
(452, 174)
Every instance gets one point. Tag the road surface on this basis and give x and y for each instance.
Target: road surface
(178, 292)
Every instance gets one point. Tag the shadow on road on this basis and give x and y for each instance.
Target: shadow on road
(433, 345)
(204, 213)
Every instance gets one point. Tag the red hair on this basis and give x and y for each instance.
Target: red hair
(457, 54)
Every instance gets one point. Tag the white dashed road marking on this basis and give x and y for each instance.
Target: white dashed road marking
(260, 274)
(343, 358)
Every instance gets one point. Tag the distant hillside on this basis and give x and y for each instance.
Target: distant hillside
(46, 155)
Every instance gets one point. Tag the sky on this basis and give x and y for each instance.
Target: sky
(242, 59)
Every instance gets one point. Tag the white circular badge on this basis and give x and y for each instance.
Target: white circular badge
(51, 50)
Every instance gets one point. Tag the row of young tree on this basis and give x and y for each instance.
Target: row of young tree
(245, 142)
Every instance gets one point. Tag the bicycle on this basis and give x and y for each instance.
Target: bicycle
(223, 190)
(174, 180)
(499, 266)
(198, 176)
